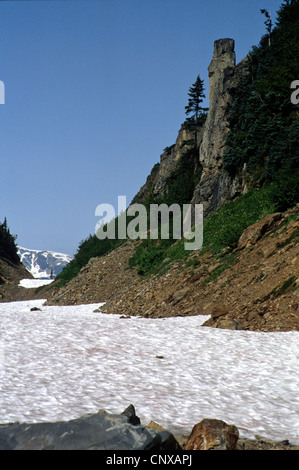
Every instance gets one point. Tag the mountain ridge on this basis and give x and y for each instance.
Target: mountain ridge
(43, 264)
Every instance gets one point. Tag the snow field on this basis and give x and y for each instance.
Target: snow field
(63, 362)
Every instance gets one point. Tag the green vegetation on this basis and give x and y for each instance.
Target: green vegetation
(8, 247)
(284, 189)
(264, 124)
(194, 108)
(221, 230)
(268, 24)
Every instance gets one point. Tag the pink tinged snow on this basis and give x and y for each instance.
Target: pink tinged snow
(59, 363)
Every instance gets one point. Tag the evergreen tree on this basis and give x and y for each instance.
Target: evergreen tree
(8, 248)
(198, 113)
(196, 93)
(268, 24)
(263, 122)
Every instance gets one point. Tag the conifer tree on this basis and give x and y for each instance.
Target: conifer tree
(8, 248)
(268, 24)
(196, 93)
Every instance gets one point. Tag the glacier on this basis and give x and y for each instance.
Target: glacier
(62, 362)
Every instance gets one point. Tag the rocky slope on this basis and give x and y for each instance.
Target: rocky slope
(10, 276)
(253, 288)
(101, 279)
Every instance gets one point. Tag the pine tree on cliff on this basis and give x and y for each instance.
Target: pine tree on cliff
(268, 24)
(196, 93)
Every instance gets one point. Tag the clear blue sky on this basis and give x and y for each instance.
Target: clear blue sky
(94, 91)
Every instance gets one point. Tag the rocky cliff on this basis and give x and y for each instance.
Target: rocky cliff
(157, 183)
(215, 185)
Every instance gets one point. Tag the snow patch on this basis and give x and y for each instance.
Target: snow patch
(31, 283)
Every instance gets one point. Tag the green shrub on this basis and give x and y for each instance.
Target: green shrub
(222, 229)
(284, 191)
(225, 226)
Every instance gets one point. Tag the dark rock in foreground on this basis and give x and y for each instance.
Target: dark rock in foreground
(90, 432)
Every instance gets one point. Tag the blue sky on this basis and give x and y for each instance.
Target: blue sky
(94, 91)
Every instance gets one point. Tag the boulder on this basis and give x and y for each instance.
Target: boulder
(219, 311)
(99, 431)
(212, 434)
(255, 232)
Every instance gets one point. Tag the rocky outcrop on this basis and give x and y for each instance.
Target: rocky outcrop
(157, 182)
(216, 186)
(255, 232)
(100, 431)
(169, 159)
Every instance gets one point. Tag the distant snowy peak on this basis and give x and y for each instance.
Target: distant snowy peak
(42, 264)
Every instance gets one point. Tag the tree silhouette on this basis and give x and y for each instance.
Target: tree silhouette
(8, 248)
(196, 93)
(268, 23)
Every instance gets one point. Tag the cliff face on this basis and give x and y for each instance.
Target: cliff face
(215, 186)
(157, 182)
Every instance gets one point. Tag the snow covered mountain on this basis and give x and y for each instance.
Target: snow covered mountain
(41, 264)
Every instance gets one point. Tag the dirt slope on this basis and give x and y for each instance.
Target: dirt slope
(10, 276)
